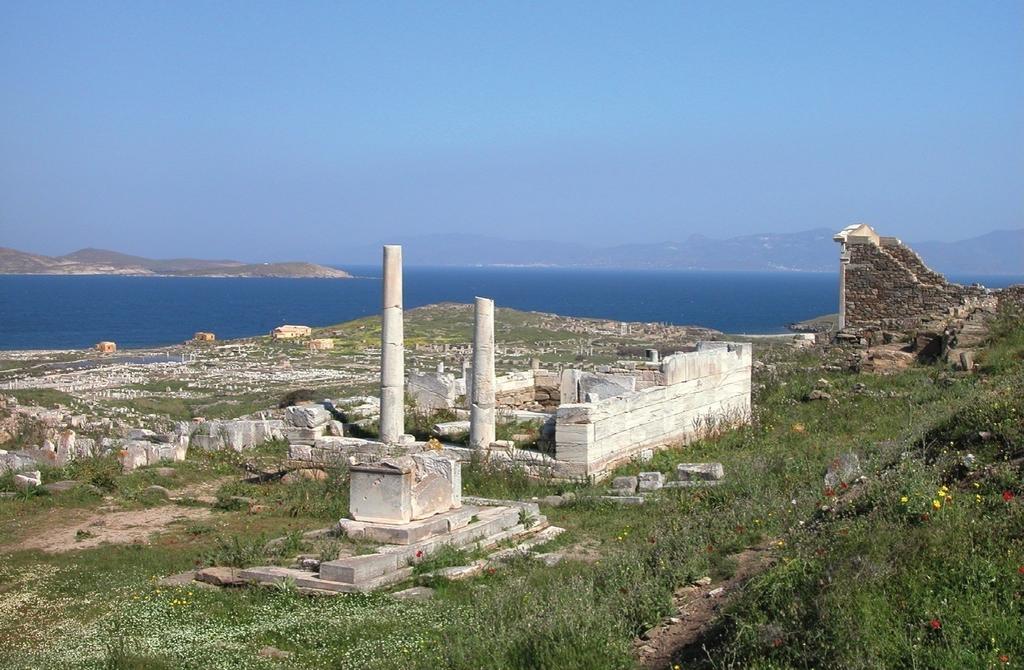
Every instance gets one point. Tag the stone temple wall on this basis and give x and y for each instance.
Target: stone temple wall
(704, 390)
(888, 287)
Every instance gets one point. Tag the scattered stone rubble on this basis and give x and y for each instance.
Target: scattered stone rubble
(631, 489)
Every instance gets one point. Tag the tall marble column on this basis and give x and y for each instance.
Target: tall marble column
(481, 412)
(392, 354)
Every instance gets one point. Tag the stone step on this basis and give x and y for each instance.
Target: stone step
(272, 574)
(409, 533)
(493, 525)
(523, 548)
(359, 569)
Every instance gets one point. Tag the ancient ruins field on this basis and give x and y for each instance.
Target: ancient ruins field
(909, 555)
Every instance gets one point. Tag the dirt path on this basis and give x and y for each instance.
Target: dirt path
(681, 638)
(79, 529)
(204, 492)
(60, 530)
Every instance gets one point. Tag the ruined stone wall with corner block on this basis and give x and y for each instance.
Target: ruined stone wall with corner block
(546, 392)
(705, 389)
(515, 390)
(888, 287)
(532, 390)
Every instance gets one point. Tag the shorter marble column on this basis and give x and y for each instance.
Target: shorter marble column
(481, 412)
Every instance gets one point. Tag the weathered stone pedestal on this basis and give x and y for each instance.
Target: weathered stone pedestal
(406, 488)
(413, 506)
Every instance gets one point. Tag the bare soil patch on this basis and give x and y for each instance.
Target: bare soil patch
(68, 530)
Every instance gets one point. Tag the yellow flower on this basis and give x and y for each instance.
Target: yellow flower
(977, 485)
(936, 504)
(904, 500)
(977, 498)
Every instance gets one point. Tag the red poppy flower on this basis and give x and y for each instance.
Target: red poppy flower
(1007, 496)
(419, 554)
(844, 485)
(935, 624)
(777, 642)
(1020, 570)
(1003, 658)
(829, 492)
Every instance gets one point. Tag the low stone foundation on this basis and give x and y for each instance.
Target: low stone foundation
(703, 391)
(482, 525)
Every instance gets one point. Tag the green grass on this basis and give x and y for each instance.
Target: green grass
(325, 500)
(855, 583)
(43, 397)
(182, 409)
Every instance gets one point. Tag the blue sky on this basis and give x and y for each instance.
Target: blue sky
(261, 131)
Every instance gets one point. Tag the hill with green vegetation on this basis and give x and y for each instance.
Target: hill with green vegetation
(104, 262)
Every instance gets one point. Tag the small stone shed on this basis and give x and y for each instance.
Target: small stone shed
(290, 332)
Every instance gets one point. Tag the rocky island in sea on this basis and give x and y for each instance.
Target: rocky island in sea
(103, 262)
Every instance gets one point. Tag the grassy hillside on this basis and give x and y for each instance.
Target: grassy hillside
(918, 565)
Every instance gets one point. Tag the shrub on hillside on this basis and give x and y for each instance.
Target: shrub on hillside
(295, 397)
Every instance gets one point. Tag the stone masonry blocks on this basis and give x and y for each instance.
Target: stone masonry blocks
(703, 389)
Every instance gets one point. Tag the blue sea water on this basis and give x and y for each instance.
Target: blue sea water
(58, 312)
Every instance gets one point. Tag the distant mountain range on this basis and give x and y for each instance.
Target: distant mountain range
(999, 252)
(103, 262)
